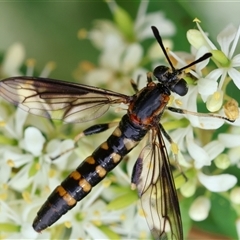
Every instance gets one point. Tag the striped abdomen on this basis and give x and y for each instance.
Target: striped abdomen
(90, 172)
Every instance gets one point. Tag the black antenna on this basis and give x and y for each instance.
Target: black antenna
(202, 58)
(159, 39)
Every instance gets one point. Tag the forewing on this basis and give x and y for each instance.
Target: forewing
(55, 99)
(155, 184)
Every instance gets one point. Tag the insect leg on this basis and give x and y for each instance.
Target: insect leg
(135, 85)
(184, 111)
(98, 128)
(174, 148)
(149, 77)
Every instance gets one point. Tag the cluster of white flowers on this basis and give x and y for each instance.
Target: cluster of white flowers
(199, 148)
(28, 173)
(121, 53)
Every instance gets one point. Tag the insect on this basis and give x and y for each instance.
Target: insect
(152, 175)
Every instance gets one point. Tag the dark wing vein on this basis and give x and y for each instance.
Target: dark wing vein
(55, 99)
(157, 191)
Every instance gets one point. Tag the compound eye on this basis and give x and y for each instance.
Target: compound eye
(161, 73)
(180, 87)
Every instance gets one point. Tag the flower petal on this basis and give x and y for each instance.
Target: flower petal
(131, 57)
(27, 232)
(199, 66)
(33, 141)
(105, 35)
(215, 74)
(235, 195)
(214, 101)
(18, 158)
(235, 42)
(59, 151)
(233, 155)
(214, 148)
(217, 183)
(207, 86)
(155, 52)
(143, 25)
(195, 38)
(5, 173)
(199, 209)
(206, 122)
(229, 140)
(21, 117)
(235, 75)
(236, 61)
(199, 155)
(13, 60)
(225, 37)
(21, 180)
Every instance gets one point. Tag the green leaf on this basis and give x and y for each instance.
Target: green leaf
(124, 22)
(221, 219)
(185, 204)
(34, 168)
(123, 201)
(111, 234)
(8, 227)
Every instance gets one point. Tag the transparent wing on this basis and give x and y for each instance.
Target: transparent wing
(55, 99)
(155, 184)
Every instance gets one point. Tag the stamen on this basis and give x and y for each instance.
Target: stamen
(231, 109)
(82, 33)
(50, 66)
(30, 63)
(10, 163)
(26, 196)
(68, 224)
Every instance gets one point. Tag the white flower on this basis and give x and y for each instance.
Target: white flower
(13, 60)
(89, 214)
(105, 35)
(233, 155)
(229, 140)
(227, 63)
(203, 156)
(12, 156)
(232, 141)
(121, 52)
(14, 124)
(144, 21)
(125, 58)
(17, 216)
(199, 209)
(217, 183)
(155, 53)
(33, 141)
(28, 157)
(37, 172)
(222, 161)
(189, 188)
(206, 86)
(230, 35)
(235, 195)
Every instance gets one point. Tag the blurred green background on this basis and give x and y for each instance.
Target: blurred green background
(48, 30)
